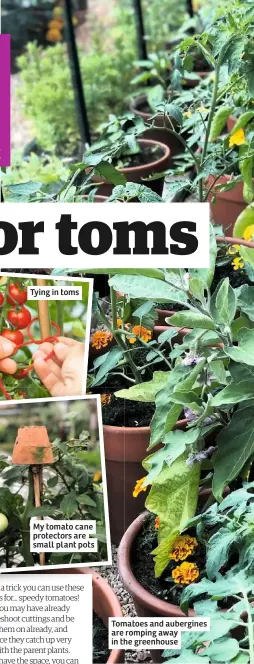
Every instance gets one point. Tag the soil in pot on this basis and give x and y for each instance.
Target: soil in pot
(153, 158)
(143, 564)
(101, 651)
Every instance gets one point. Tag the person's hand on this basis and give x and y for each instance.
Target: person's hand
(62, 374)
(7, 365)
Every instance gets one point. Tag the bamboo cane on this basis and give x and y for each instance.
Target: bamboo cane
(37, 479)
(43, 313)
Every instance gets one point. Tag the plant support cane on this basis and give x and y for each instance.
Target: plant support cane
(33, 448)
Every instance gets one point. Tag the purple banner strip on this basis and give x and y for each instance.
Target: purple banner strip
(5, 104)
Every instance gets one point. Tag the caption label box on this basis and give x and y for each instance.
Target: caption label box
(53, 535)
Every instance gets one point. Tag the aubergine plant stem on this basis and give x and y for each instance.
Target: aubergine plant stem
(140, 29)
(76, 77)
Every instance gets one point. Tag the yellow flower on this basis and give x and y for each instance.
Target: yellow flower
(74, 20)
(188, 114)
(249, 232)
(105, 399)
(57, 11)
(202, 109)
(141, 332)
(119, 322)
(237, 263)
(234, 249)
(54, 35)
(238, 138)
(97, 476)
(183, 546)
(157, 523)
(139, 487)
(101, 339)
(185, 573)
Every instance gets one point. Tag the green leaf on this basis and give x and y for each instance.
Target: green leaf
(146, 288)
(246, 168)
(218, 369)
(207, 274)
(191, 319)
(224, 303)
(145, 391)
(223, 651)
(242, 121)
(234, 393)
(218, 550)
(173, 497)
(235, 446)
(174, 445)
(219, 121)
(111, 361)
(52, 481)
(25, 188)
(108, 171)
(155, 96)
(42, 511)
(84, 499)
(245, 350)
(146, 272)
(245, 300)
(69, 504)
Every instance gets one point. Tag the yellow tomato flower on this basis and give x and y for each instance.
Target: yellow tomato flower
(202, 109)
(185, 573)
(237, 263)
(141, 332)
(249, 232)
(97, 476)
(139, 487)
(57, 11)
(183, 546)
(101, 339)
(238, 138)
(188, 114)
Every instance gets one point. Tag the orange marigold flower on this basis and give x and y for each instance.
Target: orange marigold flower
(100, 339)
(185, 573)
(105, 399)
(183, 546)
(97, 476)
(139, 487)
(141, 332)
(157, 522)
(54, 35)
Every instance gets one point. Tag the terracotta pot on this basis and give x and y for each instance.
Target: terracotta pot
(182, 331)
(146, 604)
(105, 602)
(228, 204)
(162, 315)
(156, 134)
(136, 173)
(125, 449)
(231, 121)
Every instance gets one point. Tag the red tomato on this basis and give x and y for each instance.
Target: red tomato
(14, 335)
(19, 319)
(16, 295)
(1, 299)
(21, 373)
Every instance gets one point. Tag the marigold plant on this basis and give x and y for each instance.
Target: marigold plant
(101, 339)
(185, 573)
(183, 547)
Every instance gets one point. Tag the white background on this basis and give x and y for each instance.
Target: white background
(49, 255)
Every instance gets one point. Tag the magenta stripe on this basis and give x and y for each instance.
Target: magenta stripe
(5, 148)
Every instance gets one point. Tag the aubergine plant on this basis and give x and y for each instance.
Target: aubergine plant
(210, 383)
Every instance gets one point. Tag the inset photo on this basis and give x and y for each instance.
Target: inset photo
(44, 335)
(53, 493)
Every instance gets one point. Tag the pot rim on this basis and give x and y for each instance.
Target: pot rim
(132, 585)
(146, 167)
(133, 430)
(100, 582)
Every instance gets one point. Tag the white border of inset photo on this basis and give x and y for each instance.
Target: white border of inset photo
(13, 570)
(25, 275)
